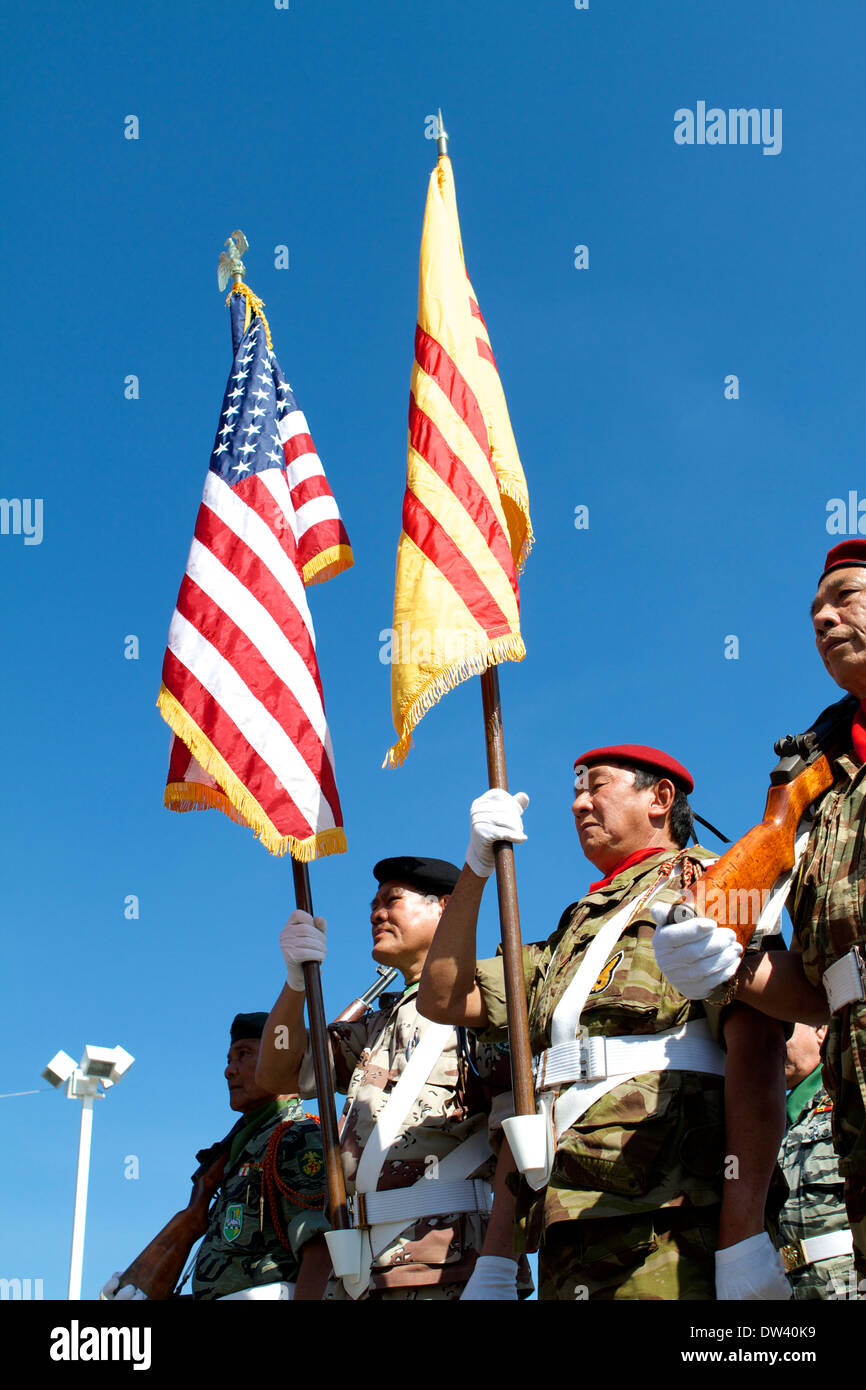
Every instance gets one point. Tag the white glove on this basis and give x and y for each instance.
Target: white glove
(497, 815)
(494, 1277)
(128, 1294)
(751, 1269)
(694, 956)
(302, 939)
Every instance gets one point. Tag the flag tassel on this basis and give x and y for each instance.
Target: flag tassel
(507, 648)
(231, 796)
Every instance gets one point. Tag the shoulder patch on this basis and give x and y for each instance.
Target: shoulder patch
(606, 975)
(312, 1163)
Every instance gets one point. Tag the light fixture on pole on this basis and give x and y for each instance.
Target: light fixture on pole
(100, 1066)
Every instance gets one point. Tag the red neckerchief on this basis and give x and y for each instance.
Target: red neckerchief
(858, 732)
(636, 858)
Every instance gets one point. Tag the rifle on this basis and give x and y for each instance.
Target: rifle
(360, 1005)
(750, 868)
(159, 1266)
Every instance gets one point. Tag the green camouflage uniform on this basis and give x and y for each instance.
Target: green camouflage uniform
(241, 1248)
(829, 914)
(434, 1256)
(815, 1205)
(632, 1207)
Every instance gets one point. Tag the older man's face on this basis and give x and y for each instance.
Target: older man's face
(612, 817)
(839, 619)
(403, 925)
(244, 1092)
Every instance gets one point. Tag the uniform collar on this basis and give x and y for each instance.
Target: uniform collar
(289, 1106)
(637, 856)
(799, 1099)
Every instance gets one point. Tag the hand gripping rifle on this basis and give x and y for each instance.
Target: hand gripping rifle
(159, 1266)
(750, 868)
(360, 1005)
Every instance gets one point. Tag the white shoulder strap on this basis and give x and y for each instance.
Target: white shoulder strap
(424, 1057)
(566, 1015)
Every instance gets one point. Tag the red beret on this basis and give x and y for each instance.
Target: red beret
(638, 753)
(844, 554)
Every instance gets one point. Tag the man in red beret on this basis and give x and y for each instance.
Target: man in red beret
(823, 974)
(628, 1074)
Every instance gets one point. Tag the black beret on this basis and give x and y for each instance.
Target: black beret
(248, 1026)
(427, 875)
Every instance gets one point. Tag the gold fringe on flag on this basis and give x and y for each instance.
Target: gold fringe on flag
(232, 798)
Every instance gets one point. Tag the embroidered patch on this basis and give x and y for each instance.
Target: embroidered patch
(606, 975)
(233, 1224)
(312, 1163)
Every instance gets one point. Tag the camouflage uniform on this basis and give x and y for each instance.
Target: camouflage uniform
(241, 1248)
(632, 1207)
(435, 1255)
(815, 1204)
(829, 914)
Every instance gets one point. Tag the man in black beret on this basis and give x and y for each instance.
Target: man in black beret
(415, 1239)
(265, 1236)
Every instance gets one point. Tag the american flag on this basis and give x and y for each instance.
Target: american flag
(240, 682)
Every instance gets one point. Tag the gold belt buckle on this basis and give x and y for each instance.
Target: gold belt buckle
(793, 1256)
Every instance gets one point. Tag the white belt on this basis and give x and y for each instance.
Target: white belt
(261, 1293)
(433, 1197)
(808, 1252)
(601, 1064)
(587, 1060)
(845, 981)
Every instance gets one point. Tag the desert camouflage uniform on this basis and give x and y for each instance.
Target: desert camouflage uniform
(632, 1207)
(815, 1204)
(829, 914)
(435, 1255)
(241, 1247)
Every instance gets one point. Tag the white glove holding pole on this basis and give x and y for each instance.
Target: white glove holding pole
(302, 939)
(494, 1277)
(695, 956)
(111, 1293)
(497, 815)
(751, 1269)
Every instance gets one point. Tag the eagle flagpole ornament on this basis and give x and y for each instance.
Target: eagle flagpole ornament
(466, 535)
(241, 689)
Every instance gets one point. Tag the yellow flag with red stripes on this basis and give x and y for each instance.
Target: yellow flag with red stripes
(466, 528)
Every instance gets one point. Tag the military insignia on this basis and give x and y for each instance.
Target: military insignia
(606, 975)
(233, 1224)
(312, 1163)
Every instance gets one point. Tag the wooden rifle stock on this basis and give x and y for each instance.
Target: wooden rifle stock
(733, 891)
(359, 1006)
(158, 1268)
(750, 868)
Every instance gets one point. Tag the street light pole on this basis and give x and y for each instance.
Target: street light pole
(76, 1259)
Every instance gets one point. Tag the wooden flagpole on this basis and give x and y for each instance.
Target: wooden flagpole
(509, 913)
(338, 1209)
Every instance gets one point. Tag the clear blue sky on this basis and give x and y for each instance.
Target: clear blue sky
(707, 516)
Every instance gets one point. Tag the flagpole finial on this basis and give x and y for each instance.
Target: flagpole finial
(442, 139)
(231, 265)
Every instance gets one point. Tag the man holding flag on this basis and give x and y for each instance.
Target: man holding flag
(241, 688)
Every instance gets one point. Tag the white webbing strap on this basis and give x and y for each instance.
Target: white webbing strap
(416, 1072)
(845, 981)
(688, 1048)
(379, 1235)
(452, 1168)
(566, 1015)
